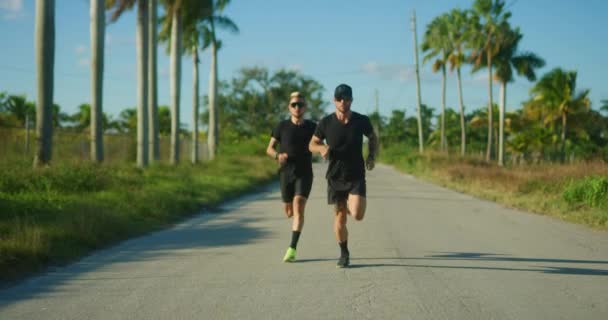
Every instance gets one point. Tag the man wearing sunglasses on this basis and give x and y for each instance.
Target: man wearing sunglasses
(343, 132)
(295, 160)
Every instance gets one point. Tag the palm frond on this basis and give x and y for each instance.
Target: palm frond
(526, 63)
(223, 22)
(118, 7)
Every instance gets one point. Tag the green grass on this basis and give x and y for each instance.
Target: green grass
(573, 192)
(53, 215)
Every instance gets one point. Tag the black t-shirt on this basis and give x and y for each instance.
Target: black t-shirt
(345, 145)
(294, 140)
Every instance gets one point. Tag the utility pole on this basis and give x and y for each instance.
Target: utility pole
(378, 114)
(420, 136)
(27, 133)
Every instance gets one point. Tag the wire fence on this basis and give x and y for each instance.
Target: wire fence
(17, 144)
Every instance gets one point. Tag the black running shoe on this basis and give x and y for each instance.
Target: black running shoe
(344, 261)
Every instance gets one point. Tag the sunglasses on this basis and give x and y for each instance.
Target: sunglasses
(297, 104)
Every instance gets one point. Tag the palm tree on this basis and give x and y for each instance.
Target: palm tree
(174, 14)
(604, 106)
(507, 60)
(556, 92)
(488, 19)
(194, 35)
(183, 15)
(82, 118)
(120, 6)
(215, 20)
(97, 62)
(153, 140)
(437, 45)
(195, 103)
(458, 22)
(45, 63)
(19, 109)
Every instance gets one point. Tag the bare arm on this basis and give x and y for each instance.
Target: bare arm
(372, 145)
(316, 145)
(272, 152)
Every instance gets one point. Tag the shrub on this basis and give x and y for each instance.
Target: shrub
(591, 191)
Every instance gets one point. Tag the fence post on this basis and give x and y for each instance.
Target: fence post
(27, 133)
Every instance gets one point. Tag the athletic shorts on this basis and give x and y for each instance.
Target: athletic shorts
(291, 187)
(338, 191)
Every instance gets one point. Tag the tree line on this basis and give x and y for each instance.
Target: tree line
(18, 112)
(187, 28)
(555, 121)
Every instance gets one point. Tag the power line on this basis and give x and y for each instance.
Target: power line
(64, 74)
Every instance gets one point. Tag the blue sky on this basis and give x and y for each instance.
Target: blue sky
(367, 44)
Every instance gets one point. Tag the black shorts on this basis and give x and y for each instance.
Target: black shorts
(338, 191)
(291, 187)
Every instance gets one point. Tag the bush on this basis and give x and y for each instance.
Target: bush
(83, 177)
(591, 191)
(402, 156)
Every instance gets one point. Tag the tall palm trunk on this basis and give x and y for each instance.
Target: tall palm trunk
(213, 117)
(195, 105)
(490, 109)
(153, 142)
(45, 61)
(443, 83)
(463, 134)
(501, 122)
(176, 54)
(97, 66)
(142, 87)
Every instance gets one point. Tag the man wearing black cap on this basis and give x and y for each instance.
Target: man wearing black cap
(343, 131)
(295, 173)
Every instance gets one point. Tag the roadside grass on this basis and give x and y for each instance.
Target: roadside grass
(575, 192)
(53, 215)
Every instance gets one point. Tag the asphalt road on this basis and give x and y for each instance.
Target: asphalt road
(422, 252)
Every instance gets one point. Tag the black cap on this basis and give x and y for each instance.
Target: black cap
(343, 91)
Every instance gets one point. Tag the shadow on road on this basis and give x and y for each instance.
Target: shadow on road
(481, 257)
(205, 230)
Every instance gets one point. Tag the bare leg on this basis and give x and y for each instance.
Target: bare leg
(299, 204)
(288, 209)
(356, 206)
(340, 222)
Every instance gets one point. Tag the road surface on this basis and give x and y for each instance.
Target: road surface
(422, 252)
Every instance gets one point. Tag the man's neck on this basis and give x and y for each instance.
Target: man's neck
(297, 121)
(343, 116)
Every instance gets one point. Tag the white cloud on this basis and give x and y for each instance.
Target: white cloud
(81, 49)
(390, 71)
(83, 62)
(11, 5)
(11, 9)
(295, 67)
(481, 77)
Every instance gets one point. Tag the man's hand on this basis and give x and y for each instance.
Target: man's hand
(282, 158)
(370, 163)
(325, 152)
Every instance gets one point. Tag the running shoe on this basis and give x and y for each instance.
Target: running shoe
(344, 261)
(290, 255)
